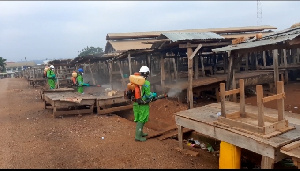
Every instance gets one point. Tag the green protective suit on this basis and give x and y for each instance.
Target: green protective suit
(79, 80)
(51, 79)
(141, 112)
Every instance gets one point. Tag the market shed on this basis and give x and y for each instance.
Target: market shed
(187, 45)
(285, 43)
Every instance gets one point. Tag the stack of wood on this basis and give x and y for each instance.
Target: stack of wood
(238, 40)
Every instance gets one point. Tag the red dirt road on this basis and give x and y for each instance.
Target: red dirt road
(32, 138)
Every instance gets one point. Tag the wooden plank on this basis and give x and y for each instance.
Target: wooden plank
(266, 118)
(173, 133)
(280, 101)
(162, 72)
(264, 59)
(190, 77)
(260, 105)
(202, 66)
(195, 51)
(180, 136)
(222, 92)
(129, 63)
(267, 162)
(113, 109)
(275, 65)
(242, 98)
(291, 146)
(233, 91)
(242, 125)
(222, 134)
(56, 112)
(196, 67)
(168, 129)
(234, 86)
(233, 115)
(274, 97)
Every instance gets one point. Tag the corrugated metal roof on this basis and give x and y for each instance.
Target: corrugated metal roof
(114, 36)
(273, 38)
(177, 36)
(19, 64)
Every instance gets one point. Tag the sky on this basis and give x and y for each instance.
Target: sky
(40, 30)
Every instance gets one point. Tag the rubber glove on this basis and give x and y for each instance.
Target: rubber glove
(154, 94)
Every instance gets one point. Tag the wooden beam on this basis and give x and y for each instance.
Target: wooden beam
(205, 44)
(162, 72)
(222, 95)
(233, 91)
(195, 51)
(175, 68)
(284, 58)
(242, 98)
(190, 76)
(264, 59)
(196, 66)
(275, 64)
(129, 64)
(274, 97)
(180, 136)
(202, 66)
(260, 105)
(280, 102)
(122, 75)
(291, 146)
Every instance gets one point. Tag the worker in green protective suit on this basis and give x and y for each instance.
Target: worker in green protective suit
(141, 111)
(80, 82)
(51, 77)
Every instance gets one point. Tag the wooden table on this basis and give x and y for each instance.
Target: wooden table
(202, 119)
(43, 91)
(109, 104)
(37, 81)
(293, 150)
(65, 103)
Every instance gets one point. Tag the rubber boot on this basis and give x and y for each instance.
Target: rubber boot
(143, 134)
(138, 132)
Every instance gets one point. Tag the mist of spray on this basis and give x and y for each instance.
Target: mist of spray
(174, 92)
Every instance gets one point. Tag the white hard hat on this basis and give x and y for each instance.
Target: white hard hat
(144, 69)
(51, 66)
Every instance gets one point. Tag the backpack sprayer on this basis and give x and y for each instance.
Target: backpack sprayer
(133, 91)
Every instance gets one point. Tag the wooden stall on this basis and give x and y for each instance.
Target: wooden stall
(255, 128)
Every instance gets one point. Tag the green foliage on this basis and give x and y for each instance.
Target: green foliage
(2, 64)
(90, 51)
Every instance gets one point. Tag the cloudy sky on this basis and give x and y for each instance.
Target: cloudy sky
(59, 29)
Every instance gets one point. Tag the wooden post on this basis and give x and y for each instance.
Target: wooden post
(121, 72)
(275, 64)
(169, 68)
(260, 105)
(256, 60)
(217, 94)
(180, 136)
(267, 163)
(190, 76)
(264, 58)
(129, 64)
(242, 98)
(202, 66)
(247, 61)
(230, 71)
(110, 74)
(298, 55)
(222, 92)
(233, 86)
(175, 68)
(196, 66)
(149, 64)
(225, 60)
(280, 102)
(284, 58)
(162, 72)
(93, 79)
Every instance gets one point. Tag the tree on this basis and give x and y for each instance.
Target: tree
(90, 51)
(2, 64)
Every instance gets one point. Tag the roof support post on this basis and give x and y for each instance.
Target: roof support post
(129, 63)
(275, 65)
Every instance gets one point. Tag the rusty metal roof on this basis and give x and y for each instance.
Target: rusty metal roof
(272, 38)
(178, 36)
(152, 34)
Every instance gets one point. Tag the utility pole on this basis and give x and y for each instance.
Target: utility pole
(259, 13)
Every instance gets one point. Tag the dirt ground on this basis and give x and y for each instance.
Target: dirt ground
(32, 138)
